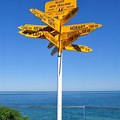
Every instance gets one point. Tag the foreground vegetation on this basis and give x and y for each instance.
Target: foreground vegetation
(10, 114)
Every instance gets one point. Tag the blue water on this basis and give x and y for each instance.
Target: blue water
(42, 105)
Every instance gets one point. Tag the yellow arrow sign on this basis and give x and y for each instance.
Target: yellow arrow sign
(73, 47)
(38, 34)
(35, 28)
(69, 16)
(29, 27)
(59, 7)
(78, 48)
(69, 28)
(52, 22)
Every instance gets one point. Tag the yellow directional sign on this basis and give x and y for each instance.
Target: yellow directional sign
(51, 38)
(29, 27)
(78, 48)
(69, 28)
(69, 16)
(73, 47)
(59, 7)
(50, 21)
(38, 34)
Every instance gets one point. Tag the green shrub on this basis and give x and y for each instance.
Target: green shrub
(10, 114)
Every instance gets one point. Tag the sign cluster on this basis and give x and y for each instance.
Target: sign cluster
(56, 14)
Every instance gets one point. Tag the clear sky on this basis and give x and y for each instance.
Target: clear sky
(26, 64)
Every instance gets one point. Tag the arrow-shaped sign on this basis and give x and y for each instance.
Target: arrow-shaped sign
(33, 28)
(70, 28)
(38, 34)
(52, 22)
(78, 48)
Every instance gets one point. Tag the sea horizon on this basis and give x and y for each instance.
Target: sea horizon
(62, 91)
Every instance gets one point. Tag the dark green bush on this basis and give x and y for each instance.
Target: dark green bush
(10, 114)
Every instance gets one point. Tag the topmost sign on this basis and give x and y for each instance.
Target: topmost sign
(59, 7)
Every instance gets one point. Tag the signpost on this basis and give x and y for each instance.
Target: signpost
(57, 13)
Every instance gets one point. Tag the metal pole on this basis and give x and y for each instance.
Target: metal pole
(59, 87)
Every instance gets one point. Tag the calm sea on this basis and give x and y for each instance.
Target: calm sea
(76, 105)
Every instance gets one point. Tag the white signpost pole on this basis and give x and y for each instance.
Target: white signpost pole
(59, 97)
(59, 85)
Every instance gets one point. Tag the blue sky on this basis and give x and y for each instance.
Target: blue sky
(26, 64)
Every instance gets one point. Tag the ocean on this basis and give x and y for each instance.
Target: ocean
(76, 105)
